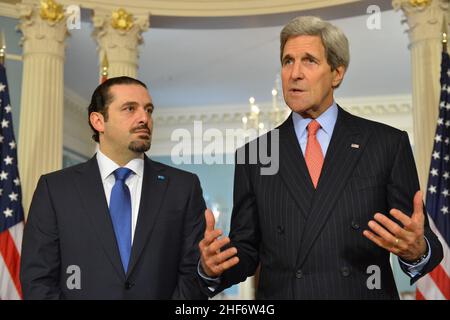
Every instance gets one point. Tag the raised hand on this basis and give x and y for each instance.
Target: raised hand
(213, 260)
(407, 242)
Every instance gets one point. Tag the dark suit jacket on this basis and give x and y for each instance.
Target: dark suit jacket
(69, 224)
(309, 241)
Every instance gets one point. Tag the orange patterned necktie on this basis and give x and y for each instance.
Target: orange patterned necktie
(313, 153)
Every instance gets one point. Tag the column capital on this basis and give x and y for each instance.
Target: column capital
(119, 34)
(43, 26)
(425, 18)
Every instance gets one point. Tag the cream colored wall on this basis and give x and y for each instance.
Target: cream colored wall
(77, 133)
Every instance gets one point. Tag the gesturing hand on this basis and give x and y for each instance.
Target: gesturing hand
(407, 242)
(214, 261)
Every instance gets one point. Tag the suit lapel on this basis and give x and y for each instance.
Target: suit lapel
(154, 187)
(340, 160)
(293, 170)
(89, 185)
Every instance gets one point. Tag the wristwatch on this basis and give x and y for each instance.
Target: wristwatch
(421, 259)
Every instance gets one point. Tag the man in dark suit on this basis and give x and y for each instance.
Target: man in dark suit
(337, 174)
(119, 226)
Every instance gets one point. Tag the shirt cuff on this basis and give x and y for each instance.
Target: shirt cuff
(414, 270)
(213, 283)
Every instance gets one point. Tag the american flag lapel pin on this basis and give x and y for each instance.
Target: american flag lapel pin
(355, 146)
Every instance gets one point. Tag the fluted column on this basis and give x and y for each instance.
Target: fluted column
(425, 19)
(118, 34)
(41, 114)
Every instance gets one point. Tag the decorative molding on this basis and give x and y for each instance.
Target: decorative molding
(120, 46)
(41, 36)
(8, 10)
(212, 114)
(199, 8)
(419, 3)
(232, 114)
(51, 11)
(76, 131)
(394, 110)
(122, 20)
(377, 105)
(75, 102)
(425, 21)
(426, 24)
(14, 57)
(361, 106)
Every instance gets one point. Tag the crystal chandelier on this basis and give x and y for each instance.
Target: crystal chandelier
(252, 121)
(264, 119)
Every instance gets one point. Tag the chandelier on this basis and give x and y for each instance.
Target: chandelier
(269, 117)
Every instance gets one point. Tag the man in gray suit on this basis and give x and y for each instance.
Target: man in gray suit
(338, 174)
(119, 226)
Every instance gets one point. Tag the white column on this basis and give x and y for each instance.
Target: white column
(118, 34)
(41, 114)
(425, 19)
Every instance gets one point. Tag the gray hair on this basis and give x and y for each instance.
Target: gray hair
(333, 39)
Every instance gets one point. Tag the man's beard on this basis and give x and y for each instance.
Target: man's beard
(142, 145)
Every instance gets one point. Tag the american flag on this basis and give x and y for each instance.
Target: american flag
(436, 284)
(11, 211)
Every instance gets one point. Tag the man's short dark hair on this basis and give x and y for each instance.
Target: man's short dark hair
(102, 97)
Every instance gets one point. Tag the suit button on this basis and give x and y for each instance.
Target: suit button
(280, 229)
(299, 274)
(345, 271)
(355, 225)
(129, 285)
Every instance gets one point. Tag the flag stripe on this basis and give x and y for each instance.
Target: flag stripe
(441, 280)
(11, 258)
(16, 233)
(428, 289)
(419, 296)
(436, 285)
(446, 250)
(11, 210)
(8, 289)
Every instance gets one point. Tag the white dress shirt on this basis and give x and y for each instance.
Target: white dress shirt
(134, 182)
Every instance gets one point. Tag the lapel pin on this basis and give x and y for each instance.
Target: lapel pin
(354, 145)
(161, 178)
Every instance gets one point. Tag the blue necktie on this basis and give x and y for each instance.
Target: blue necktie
(120, 210)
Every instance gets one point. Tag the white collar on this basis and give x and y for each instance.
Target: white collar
(108, 166)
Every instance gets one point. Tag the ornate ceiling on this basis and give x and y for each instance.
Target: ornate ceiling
(211, 8)
(206, 8)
